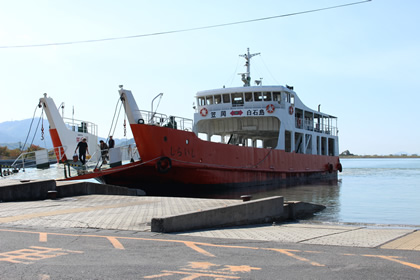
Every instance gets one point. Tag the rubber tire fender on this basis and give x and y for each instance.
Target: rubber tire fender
(163, 165)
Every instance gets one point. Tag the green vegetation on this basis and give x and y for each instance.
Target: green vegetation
(6, 153)
(347, 154)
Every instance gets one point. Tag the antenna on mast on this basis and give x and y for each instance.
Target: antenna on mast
(246, 77)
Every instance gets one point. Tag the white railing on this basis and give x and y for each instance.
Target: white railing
(163, 120)
(81, 126)
(312, 126)
(101, 160)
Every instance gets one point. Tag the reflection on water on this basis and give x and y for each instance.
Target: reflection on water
(378, 191)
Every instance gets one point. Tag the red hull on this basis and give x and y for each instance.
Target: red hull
(58, 146)
(196, 165)
(193, 165)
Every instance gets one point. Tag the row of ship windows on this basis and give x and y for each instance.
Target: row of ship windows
(239, 98)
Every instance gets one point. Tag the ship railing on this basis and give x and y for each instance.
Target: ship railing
(163, 120)
(103, 160)
(81, 126)
(35, 159)
(60, 153)
(308, 124)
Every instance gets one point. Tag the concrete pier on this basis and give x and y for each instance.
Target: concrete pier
(77, 206)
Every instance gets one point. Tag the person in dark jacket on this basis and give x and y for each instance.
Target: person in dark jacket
(83, 148)
(111, 142)
(104, 151)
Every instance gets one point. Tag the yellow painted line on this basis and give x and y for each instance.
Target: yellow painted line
(394, 259)
(43, 237)
(194, 275)
(194, 246)
(35, 253)
(115, 242)
(290, 254)
(408, 242)
(67, 211)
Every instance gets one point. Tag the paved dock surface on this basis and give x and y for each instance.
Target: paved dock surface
(134, 213)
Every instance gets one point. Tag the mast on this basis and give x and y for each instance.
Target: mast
(246, 77)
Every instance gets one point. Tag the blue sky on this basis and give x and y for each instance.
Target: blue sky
(360, 62)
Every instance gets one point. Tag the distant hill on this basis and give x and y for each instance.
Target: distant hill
(14, 133)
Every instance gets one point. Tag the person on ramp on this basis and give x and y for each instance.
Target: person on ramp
(83, 148)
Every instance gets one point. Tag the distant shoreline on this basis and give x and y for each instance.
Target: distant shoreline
(377, 156)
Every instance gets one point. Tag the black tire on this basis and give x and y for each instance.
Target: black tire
(163, 165)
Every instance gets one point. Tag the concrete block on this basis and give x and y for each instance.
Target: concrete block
(250, 212)
(32, 190)
(299, 210)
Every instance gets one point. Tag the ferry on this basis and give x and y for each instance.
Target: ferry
(241, 137)
(247, 137)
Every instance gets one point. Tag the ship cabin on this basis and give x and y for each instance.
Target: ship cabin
(264, 117)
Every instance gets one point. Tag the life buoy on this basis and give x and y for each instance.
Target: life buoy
(163, 165)
(270, 108)
(291, 110)
(204, 112)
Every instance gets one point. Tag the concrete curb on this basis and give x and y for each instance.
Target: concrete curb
(22, 191)
(259, 211)
(86, 188)
(250, 212)
(17, 190)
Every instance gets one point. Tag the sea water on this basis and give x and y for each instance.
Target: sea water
(382, 191)
(369, 191)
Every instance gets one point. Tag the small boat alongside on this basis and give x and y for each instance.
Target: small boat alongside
(67, 133)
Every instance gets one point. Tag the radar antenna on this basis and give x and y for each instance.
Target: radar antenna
(246, 77)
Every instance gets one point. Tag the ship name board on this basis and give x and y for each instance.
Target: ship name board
(233, 113)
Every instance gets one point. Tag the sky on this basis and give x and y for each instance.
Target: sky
(360, 62)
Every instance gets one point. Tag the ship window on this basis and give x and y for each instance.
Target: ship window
(331, 151)
(201, 101)
(267, 96)
(217, 99)
(248, 96)
(276, 96)
(257, 96)
(209, 99)
(292, 99)
(226, 98)
(287, 141)
(237, 99)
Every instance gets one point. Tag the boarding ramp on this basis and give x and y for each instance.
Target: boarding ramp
(102, 160)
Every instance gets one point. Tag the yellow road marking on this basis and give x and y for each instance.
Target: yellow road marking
(194, 246)
(194, 275)
(66, 211)
(27, 256)
(289, 253)
(115, 242)
(394, 259)
(43, 237)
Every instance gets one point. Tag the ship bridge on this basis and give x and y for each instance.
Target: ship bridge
(266, 117)
(246, 116)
